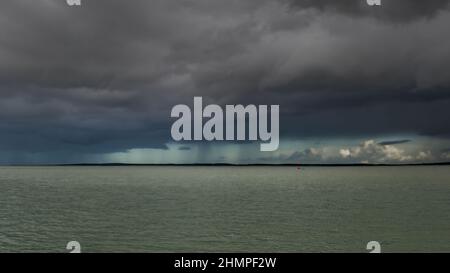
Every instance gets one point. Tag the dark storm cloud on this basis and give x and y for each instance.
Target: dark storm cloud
(103, 77)
(394, 142)
(391, 10)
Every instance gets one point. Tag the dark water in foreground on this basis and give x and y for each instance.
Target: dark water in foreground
(224, 209)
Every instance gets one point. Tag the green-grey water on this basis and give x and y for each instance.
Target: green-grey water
(224, 209)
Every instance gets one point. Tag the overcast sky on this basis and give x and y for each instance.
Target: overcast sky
(96, 83)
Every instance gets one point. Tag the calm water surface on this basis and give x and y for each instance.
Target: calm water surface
(224, 209)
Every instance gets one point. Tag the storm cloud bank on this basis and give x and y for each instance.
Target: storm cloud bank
(102, 77)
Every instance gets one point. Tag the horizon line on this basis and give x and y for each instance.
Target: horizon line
(231, 164)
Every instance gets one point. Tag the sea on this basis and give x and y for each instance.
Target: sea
(224, 209)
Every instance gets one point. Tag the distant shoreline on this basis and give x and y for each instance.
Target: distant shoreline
(223, 165)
